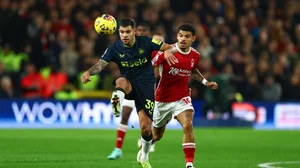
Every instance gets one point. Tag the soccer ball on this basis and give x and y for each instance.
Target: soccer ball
(105, 24)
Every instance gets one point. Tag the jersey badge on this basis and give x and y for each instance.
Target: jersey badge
(141, 51)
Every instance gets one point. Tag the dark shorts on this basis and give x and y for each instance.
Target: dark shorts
(143, 96)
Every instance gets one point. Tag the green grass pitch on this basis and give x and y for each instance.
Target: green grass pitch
(88, 148)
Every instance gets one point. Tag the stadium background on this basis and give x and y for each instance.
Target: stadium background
(250, 47)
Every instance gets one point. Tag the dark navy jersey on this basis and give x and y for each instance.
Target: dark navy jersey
(134, 62)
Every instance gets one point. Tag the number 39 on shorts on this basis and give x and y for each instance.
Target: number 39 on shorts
(149, 105)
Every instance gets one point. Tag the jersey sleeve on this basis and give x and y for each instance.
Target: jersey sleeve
(158, 59)
(154, 44)
(197, 59)
(108, 54)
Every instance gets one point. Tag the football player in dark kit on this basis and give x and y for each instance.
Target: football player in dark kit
(132, 54)
(127, 106)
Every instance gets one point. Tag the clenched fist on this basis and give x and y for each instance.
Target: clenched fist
(85, 77)
(212, 85)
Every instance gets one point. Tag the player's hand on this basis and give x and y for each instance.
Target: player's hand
(85, 77)
(171, 59)
(212, 85)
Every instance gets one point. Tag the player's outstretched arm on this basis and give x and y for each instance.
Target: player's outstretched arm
(95, 69)
(196, 75)
(98, 67)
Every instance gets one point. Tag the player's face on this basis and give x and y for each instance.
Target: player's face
(185, 39)
(142, 31)
(127, 35)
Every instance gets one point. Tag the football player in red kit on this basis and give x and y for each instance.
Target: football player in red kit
(172, 97)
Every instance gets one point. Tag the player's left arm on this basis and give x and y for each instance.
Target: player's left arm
(168, 50)
(196, 75)
(167, 47)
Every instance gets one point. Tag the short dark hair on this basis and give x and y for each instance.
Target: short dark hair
(187, 27)
(127, 22)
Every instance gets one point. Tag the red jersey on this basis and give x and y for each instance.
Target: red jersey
(173, 84)
(153, 54)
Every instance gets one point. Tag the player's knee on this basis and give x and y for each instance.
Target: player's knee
(146, 131)
(121, 82)
(124, 84)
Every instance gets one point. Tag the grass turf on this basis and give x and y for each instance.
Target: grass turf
(216, 148)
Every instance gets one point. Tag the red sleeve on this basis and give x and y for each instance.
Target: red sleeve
(158, 59)
(153, 54)
(197, 62)
(196, 59)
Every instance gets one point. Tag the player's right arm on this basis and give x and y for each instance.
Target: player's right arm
(98, 67)
(95, 69)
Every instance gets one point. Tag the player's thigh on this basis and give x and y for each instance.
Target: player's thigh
(184, 110)
(144, 98)
(162, 114)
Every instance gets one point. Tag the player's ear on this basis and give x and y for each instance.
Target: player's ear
(194, 38)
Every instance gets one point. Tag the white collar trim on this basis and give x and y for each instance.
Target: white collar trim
(182, 51)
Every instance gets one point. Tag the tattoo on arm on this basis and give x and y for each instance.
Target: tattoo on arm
(196, 75)
(98, 67)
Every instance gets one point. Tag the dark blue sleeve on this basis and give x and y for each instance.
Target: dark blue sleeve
(108, 54)
(154, 44)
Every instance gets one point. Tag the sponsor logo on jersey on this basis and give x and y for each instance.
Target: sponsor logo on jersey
(122, 55)
(179, 72)
(136, 63)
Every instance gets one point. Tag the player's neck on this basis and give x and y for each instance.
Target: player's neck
(183, 50)
(130, 44)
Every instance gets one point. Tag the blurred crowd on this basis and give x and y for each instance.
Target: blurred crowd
(250, 47)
